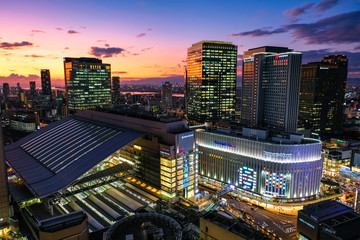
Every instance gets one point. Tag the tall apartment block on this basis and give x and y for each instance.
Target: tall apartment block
(166, 95)
(211, 81)
(45, 82)
(88, 83)
(322, 94)
(270, 88)
(116, 89)
(6, 89)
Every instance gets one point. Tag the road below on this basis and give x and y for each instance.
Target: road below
(283, 226)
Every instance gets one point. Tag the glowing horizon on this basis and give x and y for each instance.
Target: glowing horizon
(149, 39)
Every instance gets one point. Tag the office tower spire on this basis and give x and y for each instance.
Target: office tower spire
(211, 81)
(270, 88)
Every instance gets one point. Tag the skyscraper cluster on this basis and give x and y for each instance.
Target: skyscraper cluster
(277, 93)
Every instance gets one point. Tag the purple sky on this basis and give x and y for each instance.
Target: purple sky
(149, 39)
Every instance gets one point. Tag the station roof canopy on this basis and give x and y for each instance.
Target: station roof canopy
(53, 157)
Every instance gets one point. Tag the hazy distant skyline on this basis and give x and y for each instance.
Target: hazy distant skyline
(149, 39)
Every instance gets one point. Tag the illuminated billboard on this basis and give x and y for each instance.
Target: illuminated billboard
(247, 178)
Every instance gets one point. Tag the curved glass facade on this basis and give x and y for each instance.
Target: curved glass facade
(264, 167)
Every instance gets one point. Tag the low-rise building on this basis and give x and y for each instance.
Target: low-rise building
(72, 226)
(220, 225)
(333, 159)
(328, 220)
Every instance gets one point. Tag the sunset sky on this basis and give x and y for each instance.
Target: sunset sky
(149, 39)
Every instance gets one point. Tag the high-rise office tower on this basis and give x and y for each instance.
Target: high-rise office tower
(322, 94)
(166, 95)
(211, 81)
(270, 88)
(6, 89)
(32, 89)
(45, 82)
(4, 193)
(88, 83)
(116, 89)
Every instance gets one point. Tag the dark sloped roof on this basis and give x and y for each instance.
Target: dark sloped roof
(51, 158)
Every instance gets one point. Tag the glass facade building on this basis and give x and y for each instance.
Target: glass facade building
(211, 81)
(322, 94)
(88, 83)
(270, 88)
(287, 168)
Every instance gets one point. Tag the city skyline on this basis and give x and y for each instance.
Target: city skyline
(139, 44)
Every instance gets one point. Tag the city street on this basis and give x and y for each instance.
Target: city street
(282, 225)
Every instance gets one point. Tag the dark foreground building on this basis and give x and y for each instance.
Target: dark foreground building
(220, 225)
(145, 226)
(328, 220)
(73, 226)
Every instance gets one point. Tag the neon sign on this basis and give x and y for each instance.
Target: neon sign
(270, 155)
(225, 144)
(247, 178)
(187, 136)
(165, 149)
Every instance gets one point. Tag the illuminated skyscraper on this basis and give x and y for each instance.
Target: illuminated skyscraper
(116, 89)
(166, 94)
(322, 94)
(45, 82)
(211, 81)
(88, 83)
(270, 88)
(6, 89)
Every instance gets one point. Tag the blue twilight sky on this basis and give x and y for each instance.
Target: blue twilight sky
(149, 39)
